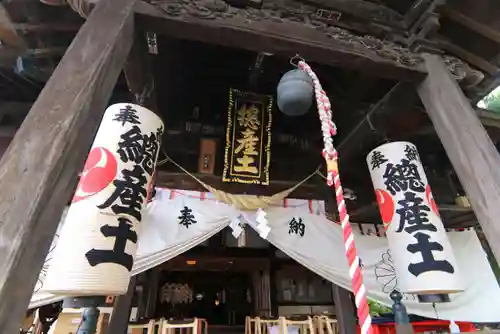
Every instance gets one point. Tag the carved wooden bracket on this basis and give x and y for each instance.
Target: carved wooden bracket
(285, 12)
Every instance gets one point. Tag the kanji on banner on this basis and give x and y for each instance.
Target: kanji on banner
(97, 245)
(248, 138)
(420, 249)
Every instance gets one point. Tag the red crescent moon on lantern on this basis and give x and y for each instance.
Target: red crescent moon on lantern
(386, 206)
(430, 200)
(99, 171)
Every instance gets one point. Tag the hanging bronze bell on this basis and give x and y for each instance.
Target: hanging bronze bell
(295, 93)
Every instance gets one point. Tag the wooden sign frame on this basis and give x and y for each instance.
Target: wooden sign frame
(247, 155)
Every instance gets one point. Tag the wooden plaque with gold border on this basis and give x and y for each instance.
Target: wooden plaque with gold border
(248, 138)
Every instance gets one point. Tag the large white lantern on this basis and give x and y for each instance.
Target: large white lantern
(420, 249)
(97, 245)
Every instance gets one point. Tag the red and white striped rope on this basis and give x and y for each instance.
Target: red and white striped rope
(328, 130)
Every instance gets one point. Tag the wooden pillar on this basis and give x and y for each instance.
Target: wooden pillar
(153, 282)
(467, 144)
(121, 310)
(273, 288)
(344, 309)
(39, 169)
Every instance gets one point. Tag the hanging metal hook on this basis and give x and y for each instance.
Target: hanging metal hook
(295, 60)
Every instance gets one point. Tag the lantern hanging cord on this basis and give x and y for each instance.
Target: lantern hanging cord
(329, 129)
(242, 202)
(295, 60)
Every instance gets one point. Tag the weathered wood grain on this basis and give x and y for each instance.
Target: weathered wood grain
(38, 170)
(467, 144)
(284, 39)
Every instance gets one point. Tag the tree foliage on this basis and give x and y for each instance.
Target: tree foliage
(492, 101)
(376, 309)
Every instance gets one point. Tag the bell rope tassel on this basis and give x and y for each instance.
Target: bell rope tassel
(328, 130)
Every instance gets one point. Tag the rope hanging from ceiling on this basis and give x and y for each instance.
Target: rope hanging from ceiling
(328, 130)
(243, 202)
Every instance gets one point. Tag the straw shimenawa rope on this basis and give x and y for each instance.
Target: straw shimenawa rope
(243, 202)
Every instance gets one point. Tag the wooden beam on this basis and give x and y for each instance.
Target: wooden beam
(176, 180)
(364, 10)
(481, 29)
(47, 27)
(333, 46)
(37, 172)
(8, 33)
(364, 209)
(118, 323)
(9, 55)
(467, 144)
(400, 98)
(469, 57)
(417, 9)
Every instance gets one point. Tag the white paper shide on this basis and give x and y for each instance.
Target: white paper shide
(420, 249)
(97, 245)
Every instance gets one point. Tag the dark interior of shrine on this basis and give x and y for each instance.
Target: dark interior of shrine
(192, 80)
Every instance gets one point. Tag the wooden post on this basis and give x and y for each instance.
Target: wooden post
(468, 145)
(153, 281)
(121, 310)
(273, 283)
(344, 310)
(40, 167)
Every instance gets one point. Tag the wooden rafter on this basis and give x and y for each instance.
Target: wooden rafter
(9, 55)
(469, 57)
(8, 33)
(49, 149)
(481, 29)
(47, 27)
(400, 98)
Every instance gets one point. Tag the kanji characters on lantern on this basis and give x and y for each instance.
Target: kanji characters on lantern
(419, 246)
(97, 245)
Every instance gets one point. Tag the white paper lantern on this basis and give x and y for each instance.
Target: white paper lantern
(420, 249)
(98, 242)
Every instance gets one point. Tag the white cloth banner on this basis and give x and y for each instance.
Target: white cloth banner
(321, 250)
(161, 236)
(302, 231)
